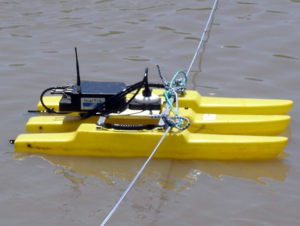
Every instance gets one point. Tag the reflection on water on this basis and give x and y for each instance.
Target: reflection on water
(174, 175)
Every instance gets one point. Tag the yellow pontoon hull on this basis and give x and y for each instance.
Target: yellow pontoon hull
(216, 105)
(89, 141)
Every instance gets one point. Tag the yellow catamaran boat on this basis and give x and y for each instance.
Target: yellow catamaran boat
(110, 119)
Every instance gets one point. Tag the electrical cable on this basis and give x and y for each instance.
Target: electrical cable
(49, 110)
(157, 85)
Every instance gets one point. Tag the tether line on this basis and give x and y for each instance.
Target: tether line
(202, 37)
(136, 178)
(167, 129)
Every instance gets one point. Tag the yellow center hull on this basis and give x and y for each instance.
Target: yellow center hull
(200, 123)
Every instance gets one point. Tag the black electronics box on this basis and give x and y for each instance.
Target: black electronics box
(92, 95)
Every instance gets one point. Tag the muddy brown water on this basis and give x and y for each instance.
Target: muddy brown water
(253, 50)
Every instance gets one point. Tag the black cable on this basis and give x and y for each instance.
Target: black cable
(46, 107)
(157, 85)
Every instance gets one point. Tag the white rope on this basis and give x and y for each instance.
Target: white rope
(135, 179)
(167, 129)
(203, 36)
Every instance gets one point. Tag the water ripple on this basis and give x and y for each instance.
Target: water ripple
(192, 38)
(231, 47)
(30, 14)
(247, 3)
(79, 25)
(136, 47)
(208, 87)
(285, 56)
(274, 11)
(111, 33)
(165, 28)
(197, 9)
(254, 79)
(12, 27)
(135, 58)
(17, 65)
(71, 10)
(23, 36)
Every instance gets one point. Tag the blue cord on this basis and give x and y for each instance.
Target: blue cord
(172, 89)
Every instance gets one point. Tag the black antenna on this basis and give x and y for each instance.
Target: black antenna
(78, 73)
(147, 91)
